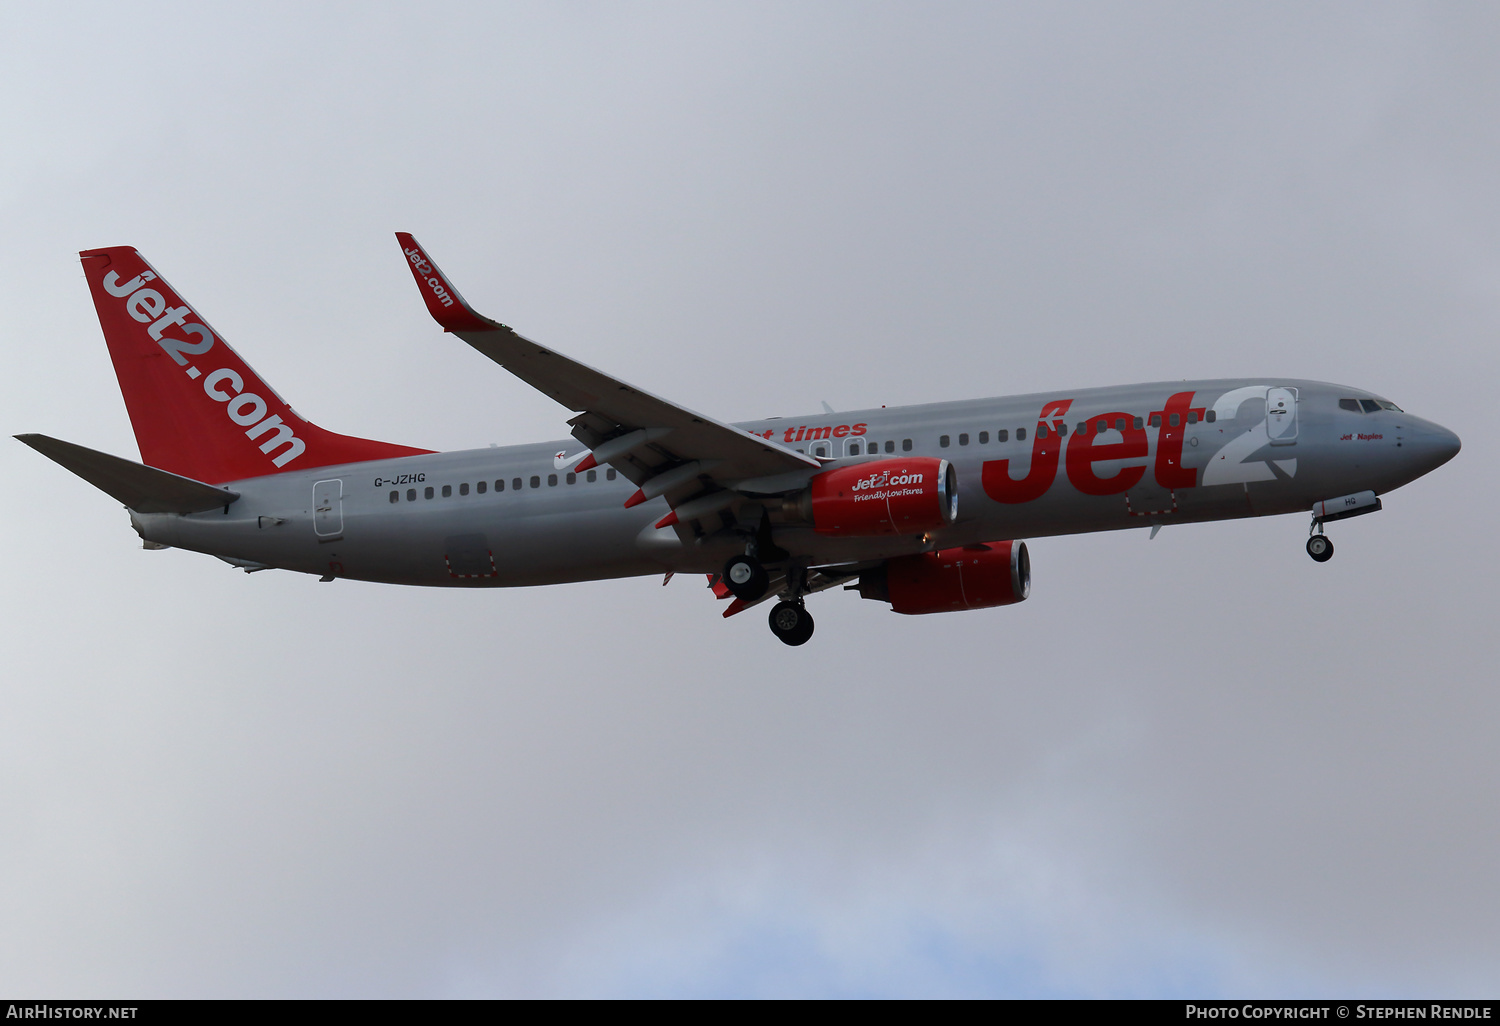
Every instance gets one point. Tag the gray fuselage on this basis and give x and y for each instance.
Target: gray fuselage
(1028, 466)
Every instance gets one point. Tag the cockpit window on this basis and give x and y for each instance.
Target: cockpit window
(1368, 405)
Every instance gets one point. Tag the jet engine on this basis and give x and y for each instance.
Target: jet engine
(972, 577)
(905, 496)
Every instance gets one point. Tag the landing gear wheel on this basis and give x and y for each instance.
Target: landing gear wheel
(745, 578)
(791, 622)
(1320, 548)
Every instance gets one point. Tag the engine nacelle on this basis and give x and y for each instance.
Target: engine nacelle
(907, 496)
(973, 577)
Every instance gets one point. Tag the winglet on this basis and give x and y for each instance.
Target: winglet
(443, 301)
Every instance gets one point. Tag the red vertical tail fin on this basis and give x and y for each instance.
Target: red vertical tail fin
(198, 409)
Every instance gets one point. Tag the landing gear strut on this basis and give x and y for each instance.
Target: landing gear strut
(1319, 546)
(791, 622)
(745, 578)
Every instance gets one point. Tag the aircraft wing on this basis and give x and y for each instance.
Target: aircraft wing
(695, 461)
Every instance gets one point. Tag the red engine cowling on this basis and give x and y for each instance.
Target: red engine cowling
(906, 496)
(973, 577)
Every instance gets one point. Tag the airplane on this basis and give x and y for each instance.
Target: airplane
(920, 507)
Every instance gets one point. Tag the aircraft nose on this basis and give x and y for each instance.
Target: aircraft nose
(1438, 445)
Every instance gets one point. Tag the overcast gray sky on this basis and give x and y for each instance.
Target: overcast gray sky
(1202, 765)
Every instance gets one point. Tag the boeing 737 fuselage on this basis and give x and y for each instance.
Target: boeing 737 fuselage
(920, 506)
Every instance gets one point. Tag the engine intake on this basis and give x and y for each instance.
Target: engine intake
(972, 577)
(905, 496)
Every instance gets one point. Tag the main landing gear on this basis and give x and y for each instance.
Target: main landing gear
(747, 581)
(745, 578)
(791, 622)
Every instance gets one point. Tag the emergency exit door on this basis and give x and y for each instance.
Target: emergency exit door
(328, 509)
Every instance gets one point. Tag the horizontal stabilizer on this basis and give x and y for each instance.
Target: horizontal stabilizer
(143, 489)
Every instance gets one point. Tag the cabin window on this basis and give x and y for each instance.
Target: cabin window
(609, 475)
(1211, 416)
(1062, 428)
(853, 448)
(1119, 423)
(536, 482)
(551, 480)
(943, 441)
(1137, 423)
(572, 477)
(447, 491)
(1041, 430)
(1175, 420)
(593, 476)
(891, 446)
(411, 495)
(1369, 405)
(463, 489)
(963, 439)
(905, 444)
(984, 438)
(427, 492)
(1192, 417)
(481, 487)
(1020, 434)
(1156, 420)
(395, 496)
(1003, 435)
(515, 483)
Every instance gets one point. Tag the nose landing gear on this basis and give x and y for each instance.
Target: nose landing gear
(1342, 508)
(1320, 548)
(1319, 545)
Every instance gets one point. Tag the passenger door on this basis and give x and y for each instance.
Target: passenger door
(1281, 416)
